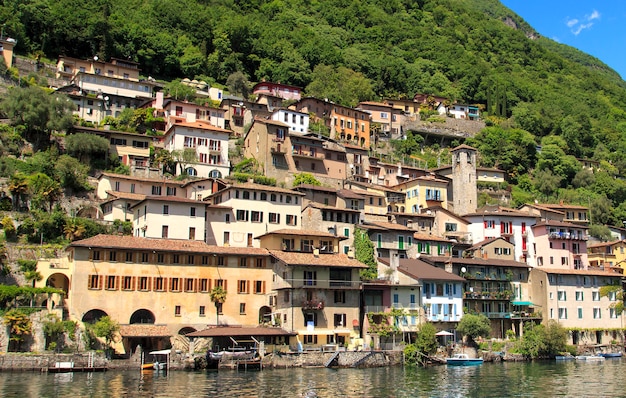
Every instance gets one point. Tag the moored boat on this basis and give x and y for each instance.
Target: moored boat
(610, 354)
(590, 358)
(564, 357)
(463, 360)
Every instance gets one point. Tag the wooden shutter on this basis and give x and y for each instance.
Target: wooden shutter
(100, 281)
(263, 287)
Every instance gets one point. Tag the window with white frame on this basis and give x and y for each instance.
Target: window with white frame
(562, 295)
(562, 313)
(579, 296)
(595, 296)
(597, 313)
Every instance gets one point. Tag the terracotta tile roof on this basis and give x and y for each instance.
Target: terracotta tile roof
(167, 245)
(326, 207)
(474, 261)
(270, 121)
(310, 187)
(144, 179)
(243, 331)
(500, 211)
(604, 244)
(591, 272)
(432, 238)
(540, 207)
(311, 260)
(170, 199)
(553, 223)
(144, 330)
(350, 146)
(301, 232)
(559, 206)
(411, 215)
(485, 242)
(199, 125)
(349, 194)
(415, 268)
(377, 225)
(125, 195)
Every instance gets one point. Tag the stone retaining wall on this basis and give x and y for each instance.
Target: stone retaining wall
(344, 359)
(39, 362)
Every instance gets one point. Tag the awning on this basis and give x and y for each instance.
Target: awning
(529, 303)
(444, 333)
(144, 330)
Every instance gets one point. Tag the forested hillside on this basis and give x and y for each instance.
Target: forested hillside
(534, 91)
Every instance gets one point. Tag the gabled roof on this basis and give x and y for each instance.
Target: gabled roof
(474, 261)
(553, 223)
(420, 270)
(500, 211)
(197, 125)
(312, 260)
(169, 199)
(604, 244)
(430, 238)
(124, 195)
(241, 331)
(383, 226)
(488, 241)
(301, 232)
(349, 194)
(163, 245)
(563, 206)
(590, 272)
(143, 179)
(463, 146)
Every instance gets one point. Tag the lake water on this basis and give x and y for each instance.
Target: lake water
(538, 379)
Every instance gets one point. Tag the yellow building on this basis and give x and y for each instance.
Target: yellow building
(159, 288)
(607, 254)
(423, 192)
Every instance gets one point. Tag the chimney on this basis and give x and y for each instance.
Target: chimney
(316, 252)
(351, 253)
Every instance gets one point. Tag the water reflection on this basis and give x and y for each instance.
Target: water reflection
(545, 379)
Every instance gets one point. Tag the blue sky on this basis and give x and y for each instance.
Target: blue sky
(597, 28)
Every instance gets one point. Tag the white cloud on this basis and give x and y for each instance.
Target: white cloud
(556, 39)
(594, 15)
(581, 27)
(576, 26)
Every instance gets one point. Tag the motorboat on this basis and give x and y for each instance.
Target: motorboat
(590, 358)
(610, 354)
(463, 360)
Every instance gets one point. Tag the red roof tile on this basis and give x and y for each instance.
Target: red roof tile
(311, 260)
(172, 245)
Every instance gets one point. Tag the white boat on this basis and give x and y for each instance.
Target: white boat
(590, 358)
(463, 360)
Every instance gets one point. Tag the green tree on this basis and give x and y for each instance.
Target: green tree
(44, 190)
(364, 252)
(218, 297)
(473, 326)
(531, 344)
(426, 341)
(554, 338)
(185, 158)
(19, 327)
(305, 179)
(238, 84)
(85, 146)
(106, 328)
(72, 174)
(38, 112)
(616, 295)
(179, 91)
(341, 85)
(601, 232)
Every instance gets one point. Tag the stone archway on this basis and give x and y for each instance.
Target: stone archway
(93, 316)
(59, 281)
(265, 314)
(142, 316)
(186, 330)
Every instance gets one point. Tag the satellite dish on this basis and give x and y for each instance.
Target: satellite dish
(463, 269)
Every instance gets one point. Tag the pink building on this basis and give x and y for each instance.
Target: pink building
(560, 245)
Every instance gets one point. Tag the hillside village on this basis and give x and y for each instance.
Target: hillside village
(212, 256)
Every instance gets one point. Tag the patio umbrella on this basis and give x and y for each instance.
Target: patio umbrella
(444, 333)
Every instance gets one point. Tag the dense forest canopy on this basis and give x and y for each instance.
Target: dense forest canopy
(535, 93)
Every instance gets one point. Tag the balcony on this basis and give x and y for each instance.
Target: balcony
(567, 235)
(313, 305)
(488, 295)
(278, 149)
(307, 154)
(409, 307)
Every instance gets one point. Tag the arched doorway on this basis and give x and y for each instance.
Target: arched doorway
(58, 281)
(93, 316)
(265, 314)
(185, 330)
(142, 316)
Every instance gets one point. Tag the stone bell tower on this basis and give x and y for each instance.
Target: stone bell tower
(464, 189)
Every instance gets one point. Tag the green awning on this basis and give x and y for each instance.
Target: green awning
(529, 303)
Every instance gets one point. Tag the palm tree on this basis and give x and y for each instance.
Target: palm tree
(73, 229)
(218, 296)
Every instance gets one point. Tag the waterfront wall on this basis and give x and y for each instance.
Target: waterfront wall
(364, 359)
(35, 362)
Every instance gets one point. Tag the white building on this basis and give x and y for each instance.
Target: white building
(241, 212)
(169, 218)
(209, 142)
(298, 122)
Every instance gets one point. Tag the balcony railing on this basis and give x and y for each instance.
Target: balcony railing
(316, 284)
(401, 306)
(313, 305)
(567, 235)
